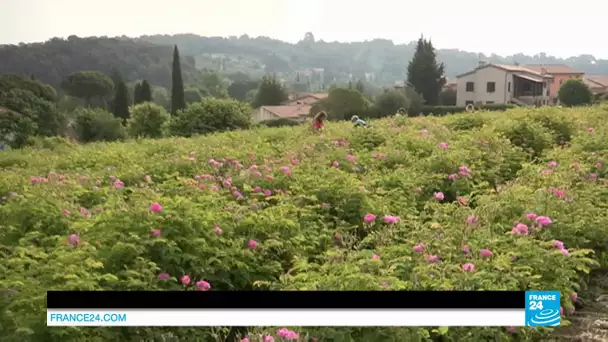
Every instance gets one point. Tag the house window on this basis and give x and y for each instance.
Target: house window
(491, 87)
(509, 87)
(489, 102)
(468, 103)
(470, 86)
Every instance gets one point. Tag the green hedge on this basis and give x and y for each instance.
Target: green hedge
(280, 123)
(444, 110)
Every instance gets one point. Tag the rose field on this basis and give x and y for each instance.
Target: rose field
(509, 200)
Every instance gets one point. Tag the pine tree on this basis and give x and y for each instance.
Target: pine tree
(137, 99)
(121, 100)
(425, 74)
(178, 100)
(146, 91)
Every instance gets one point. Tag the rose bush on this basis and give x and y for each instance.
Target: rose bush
(486, 201)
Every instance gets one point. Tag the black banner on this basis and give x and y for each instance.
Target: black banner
(286, 300)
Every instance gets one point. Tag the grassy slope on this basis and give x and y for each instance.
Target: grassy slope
(311, 227)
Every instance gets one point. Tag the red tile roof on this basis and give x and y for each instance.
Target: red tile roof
(506, 67)
(601, 81)
(553, 68)
(318, 96)
(288, 111)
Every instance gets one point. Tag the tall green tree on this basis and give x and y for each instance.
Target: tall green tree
(13, 81)
(116, 77)
(137, 98)
(88, 85)
(342, 103)
(120, 107)
(425, 74)
(146, 91)
(238, 89)
(270, 93)
(178, 100)
(389, 103)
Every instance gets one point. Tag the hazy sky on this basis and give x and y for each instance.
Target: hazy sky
(504, 27)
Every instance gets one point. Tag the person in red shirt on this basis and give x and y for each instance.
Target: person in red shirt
(318, 121)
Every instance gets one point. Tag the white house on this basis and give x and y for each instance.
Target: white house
(503, 84)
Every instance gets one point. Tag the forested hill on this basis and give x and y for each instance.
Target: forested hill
(378, 61)
(380, 56)
(53, 60)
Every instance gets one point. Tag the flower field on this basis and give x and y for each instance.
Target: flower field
(496, 201)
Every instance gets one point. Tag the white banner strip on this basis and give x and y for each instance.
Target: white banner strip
(285, 318)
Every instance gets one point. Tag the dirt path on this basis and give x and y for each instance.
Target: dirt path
(590, 324)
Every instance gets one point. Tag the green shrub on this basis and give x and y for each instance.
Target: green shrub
(574, 92)
(389, 103)
(51, 143)
(467, 122)
(496, 107)
(282, 122)
(531, 136)
(44, 113)
(211, 115)
(15, 129)
(148, 120)
(37, 88)
(444, 110)
(98, 125)
(367, 139)
(559, 123)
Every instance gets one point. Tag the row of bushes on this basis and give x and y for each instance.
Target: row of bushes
(425, 110)
(444, 110)
(282, 122)
(149, 120)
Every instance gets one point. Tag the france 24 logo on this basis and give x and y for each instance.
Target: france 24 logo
(543, 308)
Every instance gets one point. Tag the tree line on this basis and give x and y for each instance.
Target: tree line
(379, 62)
(92, 99)
(96, 107)
(107, 110)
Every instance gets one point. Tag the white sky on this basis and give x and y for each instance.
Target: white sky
(561, 29)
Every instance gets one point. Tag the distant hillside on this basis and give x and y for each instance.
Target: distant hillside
(51, 61)
(379, 61)
(379, 56)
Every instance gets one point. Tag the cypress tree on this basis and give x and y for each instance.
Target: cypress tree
(137, 98)
(178, 100)
(146, 91)
(121, 100)
(425, 74)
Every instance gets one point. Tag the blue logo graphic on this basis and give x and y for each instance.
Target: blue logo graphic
(543, 309)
